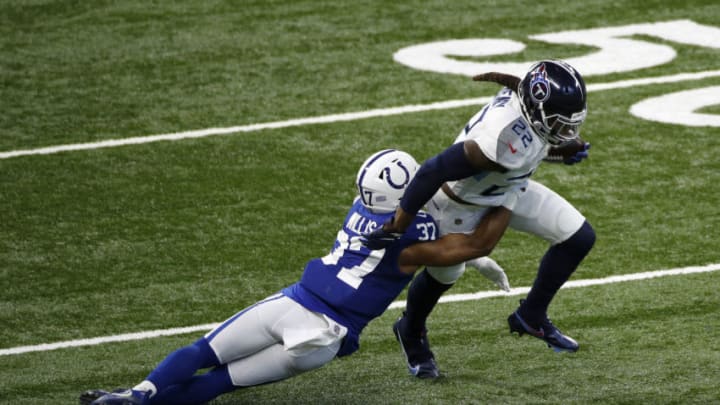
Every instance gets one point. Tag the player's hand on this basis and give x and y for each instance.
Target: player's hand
(579, 156)
(490, 269)
(380, 238)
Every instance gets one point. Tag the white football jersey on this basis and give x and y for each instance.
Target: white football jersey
(505, 137)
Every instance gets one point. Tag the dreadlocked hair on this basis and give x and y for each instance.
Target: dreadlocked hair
(504, 79)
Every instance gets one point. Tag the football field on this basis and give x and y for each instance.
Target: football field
(166, 164)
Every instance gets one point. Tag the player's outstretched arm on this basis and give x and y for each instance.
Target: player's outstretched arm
(459, 161)
(456, 248)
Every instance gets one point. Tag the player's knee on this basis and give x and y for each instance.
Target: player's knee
(203, 351)
(584, 239)
(447, 275)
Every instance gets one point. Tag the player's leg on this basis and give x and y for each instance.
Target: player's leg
(428, 285)
(244, 334)
(306, 340)
(410, 330)
(222, 344)
(177, 368)
(542, 212)
(272, 342)
(271, 364)
(198, 389)
(276, 363)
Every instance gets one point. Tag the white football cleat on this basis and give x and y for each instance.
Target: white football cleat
(490, 269)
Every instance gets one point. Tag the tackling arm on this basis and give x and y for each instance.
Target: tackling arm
(456, 248)
(457, 162)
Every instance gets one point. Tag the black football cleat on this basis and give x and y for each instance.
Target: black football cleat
(420, 359)
(547, 332)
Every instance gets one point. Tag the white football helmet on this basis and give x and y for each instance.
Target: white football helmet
(383, 177)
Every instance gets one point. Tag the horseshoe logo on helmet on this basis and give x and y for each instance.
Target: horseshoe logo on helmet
(402, 184)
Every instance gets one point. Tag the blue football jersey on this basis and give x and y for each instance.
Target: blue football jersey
(353, 284)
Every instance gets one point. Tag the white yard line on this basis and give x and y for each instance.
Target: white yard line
(397, 304)
(202, 133)
(324, 119)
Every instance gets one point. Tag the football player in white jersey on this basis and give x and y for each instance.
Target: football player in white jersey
(490, 163)
(307, 324)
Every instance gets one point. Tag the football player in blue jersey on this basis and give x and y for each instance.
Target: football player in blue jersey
(530, 120)
(309, 323)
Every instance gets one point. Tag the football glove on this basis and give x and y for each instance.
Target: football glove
(579, 156)
(379, 238)
(490, 269)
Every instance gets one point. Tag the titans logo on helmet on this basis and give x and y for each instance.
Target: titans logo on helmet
(539, 85)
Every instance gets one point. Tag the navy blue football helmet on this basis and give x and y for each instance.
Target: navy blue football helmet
(554, 100)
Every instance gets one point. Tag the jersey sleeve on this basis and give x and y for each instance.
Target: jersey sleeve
(422, 229)
(499, 133)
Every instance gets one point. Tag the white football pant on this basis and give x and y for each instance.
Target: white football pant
(275, 339)
(539, 211)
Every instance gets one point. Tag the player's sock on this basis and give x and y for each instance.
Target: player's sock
(146, 386)
(556, 267)
(180, 365)
(423, 295)
(197, 390)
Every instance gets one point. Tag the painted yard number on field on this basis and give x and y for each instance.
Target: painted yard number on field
(616, 52)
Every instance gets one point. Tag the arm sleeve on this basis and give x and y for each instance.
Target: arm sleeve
(450, 164)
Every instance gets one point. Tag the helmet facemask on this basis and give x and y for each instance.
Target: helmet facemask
(558, 128)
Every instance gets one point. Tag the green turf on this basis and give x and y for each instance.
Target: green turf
(171, 234)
